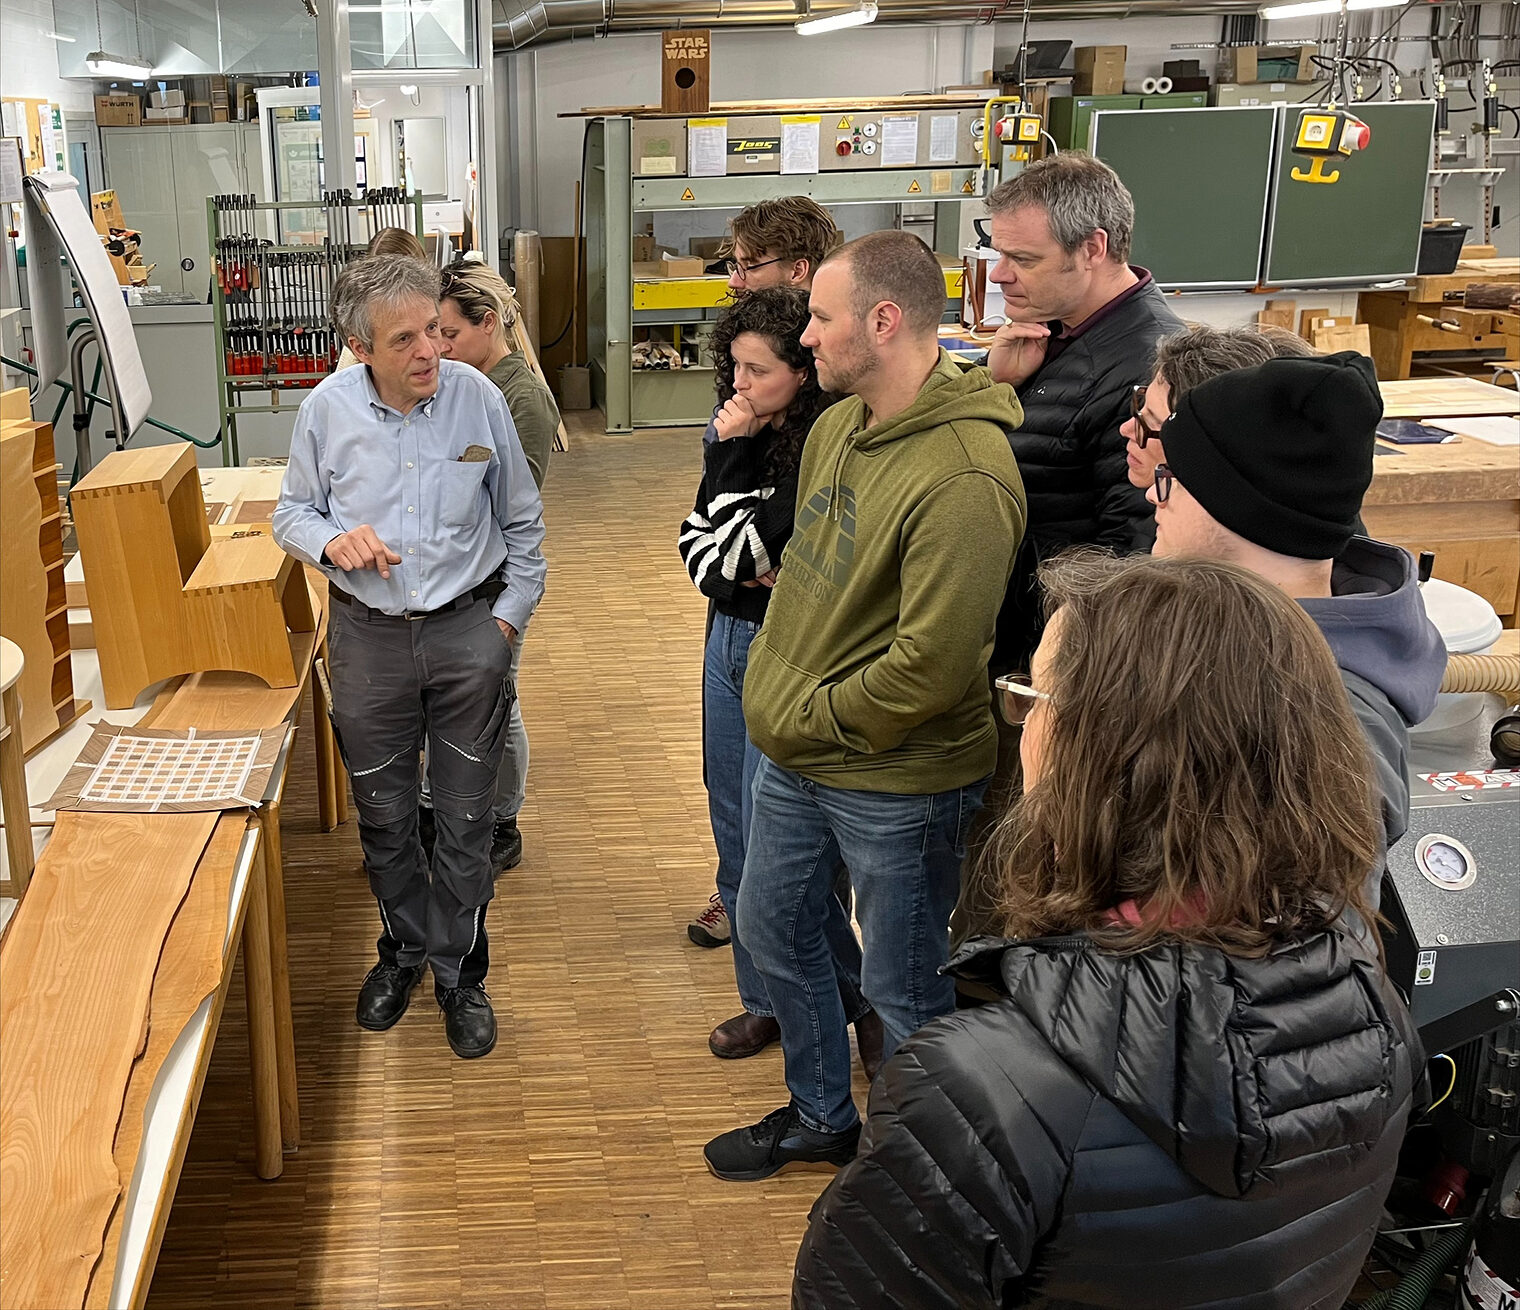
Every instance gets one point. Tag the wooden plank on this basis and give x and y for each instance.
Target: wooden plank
(1438, 286)
(15, 405)
(1446, 398)
(958, 99)
(197, 959)
(76, 971)
(24, 582)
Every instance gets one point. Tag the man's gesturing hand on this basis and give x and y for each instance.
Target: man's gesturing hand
(361, 549)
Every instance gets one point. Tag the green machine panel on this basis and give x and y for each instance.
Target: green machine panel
(1200, 179)
(1176, 100)
(1070, 117)
(1366, 224)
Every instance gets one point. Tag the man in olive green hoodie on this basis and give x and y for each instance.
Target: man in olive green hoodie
(867, 686)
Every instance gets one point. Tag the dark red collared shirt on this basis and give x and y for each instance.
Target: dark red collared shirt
(1062, 336)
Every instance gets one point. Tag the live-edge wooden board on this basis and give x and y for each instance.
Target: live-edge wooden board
(197, 954)
(71, 1024)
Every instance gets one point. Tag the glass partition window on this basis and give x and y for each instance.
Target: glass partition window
(412, 34)
(264, 36)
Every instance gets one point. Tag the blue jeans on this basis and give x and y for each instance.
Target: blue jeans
(731, 759)
(904, 854)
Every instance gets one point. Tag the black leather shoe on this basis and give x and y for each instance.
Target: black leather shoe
(506, 847)
(743, 1036)
(468, 1021)
(386, 992)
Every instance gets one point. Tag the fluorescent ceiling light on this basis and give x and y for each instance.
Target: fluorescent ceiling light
(1311, 8)
(101, 64)
(858, 16)
(59, 36)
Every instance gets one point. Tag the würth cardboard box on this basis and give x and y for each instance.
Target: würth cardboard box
(118, 111)
(1099, 70)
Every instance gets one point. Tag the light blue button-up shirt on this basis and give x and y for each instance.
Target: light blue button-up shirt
(455, 523)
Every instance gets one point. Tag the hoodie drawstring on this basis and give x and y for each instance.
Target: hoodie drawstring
(836, 513)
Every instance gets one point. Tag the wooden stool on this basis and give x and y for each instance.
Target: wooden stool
(14, 805)
(165, 598)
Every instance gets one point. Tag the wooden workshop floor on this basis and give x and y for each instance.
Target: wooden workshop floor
(563, 1171)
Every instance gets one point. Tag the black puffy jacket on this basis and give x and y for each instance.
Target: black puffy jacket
(1176, 1128)
(1071, 456)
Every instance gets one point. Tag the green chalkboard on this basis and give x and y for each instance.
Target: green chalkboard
(1200, 179)
(1366, 225)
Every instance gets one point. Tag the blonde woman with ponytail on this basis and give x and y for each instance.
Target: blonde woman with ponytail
(474, 315)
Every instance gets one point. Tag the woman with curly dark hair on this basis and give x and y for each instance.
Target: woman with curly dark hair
(731, 542)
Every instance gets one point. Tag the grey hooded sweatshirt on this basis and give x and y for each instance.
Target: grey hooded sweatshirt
(1391, 657)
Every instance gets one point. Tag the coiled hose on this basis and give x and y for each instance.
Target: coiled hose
(1413, 1289)
(1482, 673)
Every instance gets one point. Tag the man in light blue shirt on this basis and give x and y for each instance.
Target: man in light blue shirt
(408, 487)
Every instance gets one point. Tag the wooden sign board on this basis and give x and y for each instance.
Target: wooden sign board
(685, 71)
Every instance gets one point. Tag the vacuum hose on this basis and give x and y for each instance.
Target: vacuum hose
(1482, 673)
(1411, 1291)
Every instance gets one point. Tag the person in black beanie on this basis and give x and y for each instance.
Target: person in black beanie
(1266, 468)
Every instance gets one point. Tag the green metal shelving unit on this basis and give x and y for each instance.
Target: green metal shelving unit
(632, 398)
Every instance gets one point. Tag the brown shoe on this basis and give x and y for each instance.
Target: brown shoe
(745, 1035)
(869, 1036)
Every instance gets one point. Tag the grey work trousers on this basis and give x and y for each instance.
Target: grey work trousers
(512, 776)
(444, 681)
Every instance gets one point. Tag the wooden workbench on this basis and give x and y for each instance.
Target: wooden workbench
(241, 897)
(1460, 500)
(1393, 317)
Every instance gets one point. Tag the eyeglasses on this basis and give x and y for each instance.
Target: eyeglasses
(742, 271)
(1136, 406)
(1018, 698)
(1164, 479)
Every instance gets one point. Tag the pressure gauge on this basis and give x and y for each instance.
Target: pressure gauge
(868, 148)
(1445, 861)
(869, 129)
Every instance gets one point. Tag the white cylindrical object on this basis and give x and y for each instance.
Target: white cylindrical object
(1143, 88)
(1163, 86)
(1468, 626)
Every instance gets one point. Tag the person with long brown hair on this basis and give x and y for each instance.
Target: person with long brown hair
(1194, 1086)
(768, 397)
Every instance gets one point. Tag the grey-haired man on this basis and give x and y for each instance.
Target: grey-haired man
(408, 487)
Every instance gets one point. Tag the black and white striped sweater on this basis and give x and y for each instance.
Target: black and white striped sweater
(739, 526)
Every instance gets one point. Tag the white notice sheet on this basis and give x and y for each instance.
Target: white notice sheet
(942, 138)
(799, 143)
(707, 147)
(899, 140)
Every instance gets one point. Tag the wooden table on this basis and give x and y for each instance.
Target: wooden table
(240, 869)
(1424, 398)
(1460, 500)
(1394, 317)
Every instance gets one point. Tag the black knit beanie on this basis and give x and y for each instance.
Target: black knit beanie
(1281, 454)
